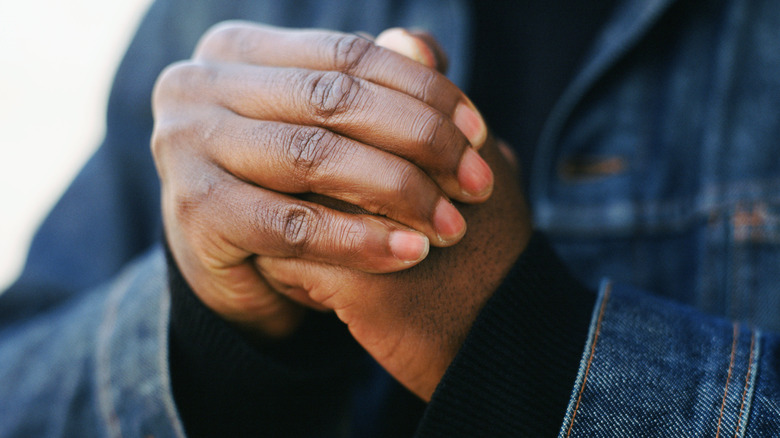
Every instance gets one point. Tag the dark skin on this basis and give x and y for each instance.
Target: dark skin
(262, 118)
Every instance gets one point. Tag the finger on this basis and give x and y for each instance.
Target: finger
(235, 217)
(442, 61)
(242, 296)
(291, 290)
(355, 108)
(347, 53)
(301, 159)
(417, 45)
(235, 290)
(311, 281)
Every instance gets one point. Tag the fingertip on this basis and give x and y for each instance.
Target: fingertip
(401, 41)
(409, 247)
(442, 63)
(475, 176)
(448, 223)
(470, 122)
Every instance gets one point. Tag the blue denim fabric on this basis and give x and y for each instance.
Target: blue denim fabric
(653, 368)
(658, 168)
(96, 366)
(687, 209)
(690, 210)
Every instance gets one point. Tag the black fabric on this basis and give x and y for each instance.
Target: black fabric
(525, 53)
(518, 363)
(224, 385)
(515, 372)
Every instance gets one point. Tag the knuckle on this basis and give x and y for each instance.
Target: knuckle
(307, 148)
(297, 225)
(332, 93)
(218, 38)
(172, 137)
(158, 142)
(185, 207)
(192, 203)
(165, 136)
(168, 80)
(349, 51)
(181, 81)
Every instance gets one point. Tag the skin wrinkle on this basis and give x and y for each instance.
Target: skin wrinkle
(332, 94)
(308, 150)
(349, 52)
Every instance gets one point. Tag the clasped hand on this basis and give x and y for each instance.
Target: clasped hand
(318, 169)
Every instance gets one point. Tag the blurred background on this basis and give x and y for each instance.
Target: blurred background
(58, 59)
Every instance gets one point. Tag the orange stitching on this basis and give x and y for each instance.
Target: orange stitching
(590, 358)
(728, 376)
(747, 382)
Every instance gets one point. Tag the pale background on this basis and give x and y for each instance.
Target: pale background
(57, 58)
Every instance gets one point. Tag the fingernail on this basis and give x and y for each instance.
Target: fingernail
(470, 123)
(448, 222)
(474, 175)
(401, 41)
(408, 246)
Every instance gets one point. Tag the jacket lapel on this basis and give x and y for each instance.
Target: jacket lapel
(629, 23)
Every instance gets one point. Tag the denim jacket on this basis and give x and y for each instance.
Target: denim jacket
(656, 179)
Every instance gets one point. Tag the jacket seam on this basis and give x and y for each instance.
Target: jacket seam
(747, 383)
(735, 335)
(592, 353)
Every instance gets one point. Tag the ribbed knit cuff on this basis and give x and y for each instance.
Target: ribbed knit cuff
(225, 385)
(514, 374)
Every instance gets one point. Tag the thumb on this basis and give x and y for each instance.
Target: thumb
(417, 45)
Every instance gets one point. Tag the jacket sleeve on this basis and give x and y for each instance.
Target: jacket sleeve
(95, 365)
(110, 214)
(649, 367)
(652, 367)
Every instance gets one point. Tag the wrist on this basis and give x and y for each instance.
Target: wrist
(521, 356)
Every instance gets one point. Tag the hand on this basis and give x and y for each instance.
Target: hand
(413, 322)
(260, 116)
